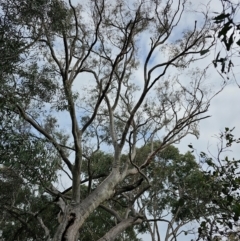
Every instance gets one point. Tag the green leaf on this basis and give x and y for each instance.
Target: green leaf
(223, 67)
(181, 202)
(216, 60)
(229, 198)
(238, 42)
(230, 64)
(221, 17)
(235, 218)
(224, 30)
(203, 52)
(230, 42)
(203, 224)
(236, 210)
(209, 162)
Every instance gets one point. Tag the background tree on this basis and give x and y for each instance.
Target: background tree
(222, 174)
(180, 193)
(87, 83)
(23, 210)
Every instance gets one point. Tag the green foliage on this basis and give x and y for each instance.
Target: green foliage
(228, 33)
(28, 155)
(177, 185)
(99, 222)
(21, 223)
(11, 45)
(59, 15)
(10, 184)
(98, 163)
(223, 176)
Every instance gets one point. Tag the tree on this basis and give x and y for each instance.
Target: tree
(180, 193)
(22, 209)
(223, 175)
(78, 90)
(177, 188)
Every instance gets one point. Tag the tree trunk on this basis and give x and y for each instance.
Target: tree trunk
(76, 214)
(123, 225)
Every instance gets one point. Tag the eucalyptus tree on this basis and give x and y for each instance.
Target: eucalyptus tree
(100, 75)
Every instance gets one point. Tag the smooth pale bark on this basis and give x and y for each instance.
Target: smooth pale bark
(76, 214)
(115, 231)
